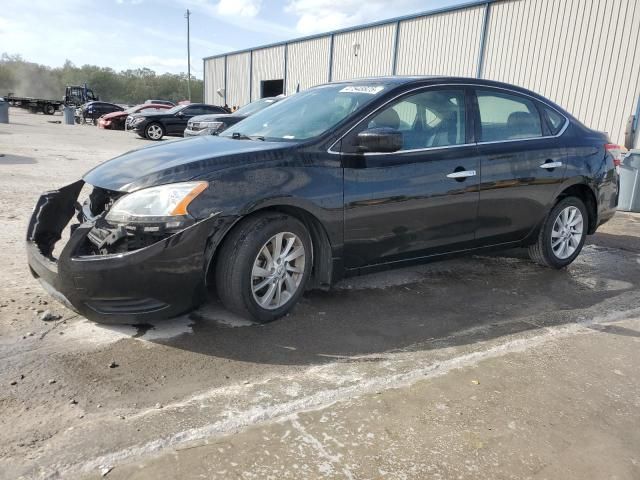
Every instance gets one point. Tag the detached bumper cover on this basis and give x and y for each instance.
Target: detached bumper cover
(162, 280)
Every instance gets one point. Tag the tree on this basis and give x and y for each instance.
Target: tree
(25, 78)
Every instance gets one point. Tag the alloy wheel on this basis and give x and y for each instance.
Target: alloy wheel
(278, 270)
(154, 132)
(566, 233)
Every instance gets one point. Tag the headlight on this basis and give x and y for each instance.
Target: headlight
(212, 125)
(138, 120)
(164, 204)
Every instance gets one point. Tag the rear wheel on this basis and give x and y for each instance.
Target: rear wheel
(154, 131)
(263, 266)
(563, 234)
(49, 109)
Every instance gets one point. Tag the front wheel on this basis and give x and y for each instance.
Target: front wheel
(562, 235)
(49, 109)
(263, 266)
(154, 131)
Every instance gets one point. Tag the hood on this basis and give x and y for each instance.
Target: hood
(153, 114)
(177, 161)
(212, 117)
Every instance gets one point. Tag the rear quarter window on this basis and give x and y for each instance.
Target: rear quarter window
(555, 120)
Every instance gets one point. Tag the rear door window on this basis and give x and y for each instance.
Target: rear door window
(505, 116)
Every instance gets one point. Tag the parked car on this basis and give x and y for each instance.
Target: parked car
(116, 120)
(90, 112)
(338, 180)
(214, 124)
(161, 102)
(154, 126)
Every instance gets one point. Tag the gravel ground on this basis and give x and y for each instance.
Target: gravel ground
(80, 399)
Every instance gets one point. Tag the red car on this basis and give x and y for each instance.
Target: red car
(115, 120)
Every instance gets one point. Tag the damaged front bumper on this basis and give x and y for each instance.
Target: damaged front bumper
(160, 280)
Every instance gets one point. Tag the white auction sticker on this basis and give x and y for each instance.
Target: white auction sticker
(362, 89)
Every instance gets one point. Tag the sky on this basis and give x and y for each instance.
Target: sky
(124, 34)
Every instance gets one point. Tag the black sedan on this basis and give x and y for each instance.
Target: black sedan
(90, 112)
(338, 180)
(215, 124)
(172, 122)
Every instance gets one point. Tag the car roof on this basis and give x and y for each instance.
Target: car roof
(425, 80)
(152, 105)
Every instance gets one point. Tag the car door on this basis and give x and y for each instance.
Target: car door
(178, 122)
(522, 164)
(417, 201)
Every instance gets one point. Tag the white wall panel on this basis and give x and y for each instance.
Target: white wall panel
(307, 64)
(443, 44)
(374, 57)
(584, 55)
(268, 64)
(214, 80)
(238, 79)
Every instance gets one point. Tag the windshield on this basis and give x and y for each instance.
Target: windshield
(176, 109)
(305, 115)
(254, 107)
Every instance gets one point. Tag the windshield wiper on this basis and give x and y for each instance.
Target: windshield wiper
(242, 136)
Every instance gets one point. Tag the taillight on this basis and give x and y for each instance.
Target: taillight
(615, 151)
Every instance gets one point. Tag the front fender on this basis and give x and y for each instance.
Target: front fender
(317, 190)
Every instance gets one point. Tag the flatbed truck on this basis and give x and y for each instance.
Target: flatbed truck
(74, 96)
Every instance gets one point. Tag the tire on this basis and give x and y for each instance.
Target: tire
(557, 246)
(242, 267)
(154, 131)
(49, 109)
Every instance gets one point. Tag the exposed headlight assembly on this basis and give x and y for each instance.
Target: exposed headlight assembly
(137, 120)
(165, 204)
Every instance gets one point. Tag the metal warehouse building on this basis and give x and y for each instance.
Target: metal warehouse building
(583, 54)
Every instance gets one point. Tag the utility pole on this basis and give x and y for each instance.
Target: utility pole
(187, 15)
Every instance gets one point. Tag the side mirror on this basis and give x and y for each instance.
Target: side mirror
(379, 140)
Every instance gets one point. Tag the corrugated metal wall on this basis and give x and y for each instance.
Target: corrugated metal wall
(307, 63)
(214, 80)
(268, 64)
(375, 54)
(238, 67)
(584, 55)
(443, 44)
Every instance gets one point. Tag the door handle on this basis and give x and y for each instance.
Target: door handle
(462, 174)
(551, 165)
